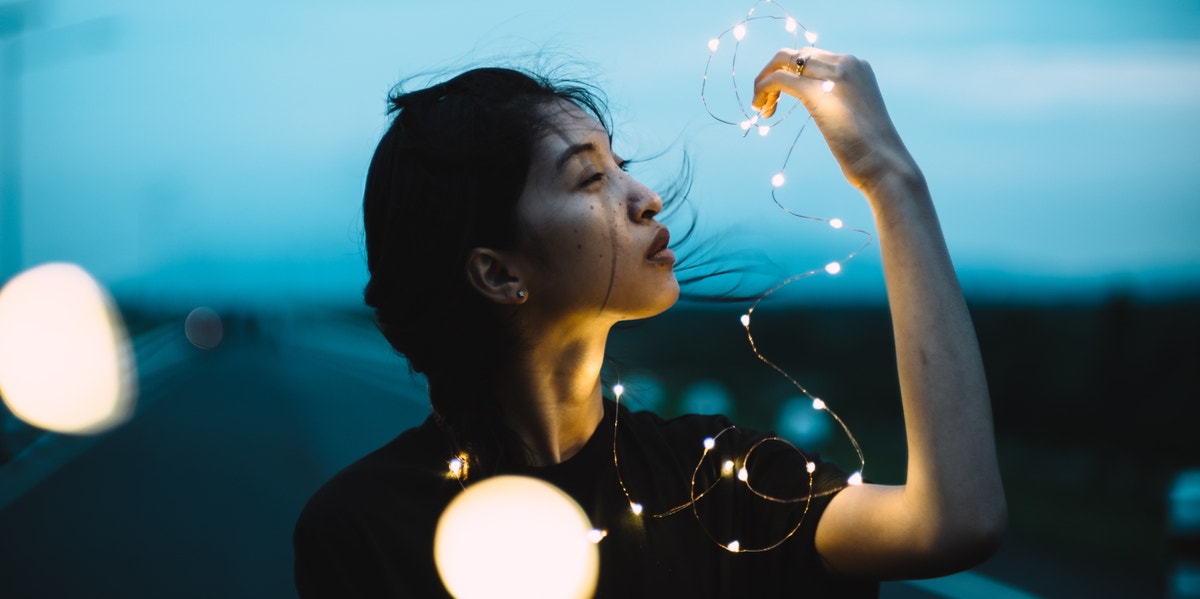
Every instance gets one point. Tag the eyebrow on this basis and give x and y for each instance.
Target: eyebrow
(573, 151)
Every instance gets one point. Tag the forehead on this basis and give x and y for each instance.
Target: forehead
(567, 125)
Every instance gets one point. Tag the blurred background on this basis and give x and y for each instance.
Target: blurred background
(205, 164)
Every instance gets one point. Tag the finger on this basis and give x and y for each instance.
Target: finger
(792, 71)
(772, 86)
(818, 64)
(765, 97)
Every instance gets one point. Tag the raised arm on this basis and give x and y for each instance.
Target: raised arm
(950, 513)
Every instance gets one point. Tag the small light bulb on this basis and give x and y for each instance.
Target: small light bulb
(596, 535)
(739, 31)
(836, 223)
(636, 508)
(709, 443)
(833, 268)
(618, 390)
(713, 44)
(826, 86)
(811, 467)
(855, 479)
(745, 320)
(727, 467)
(746, 124)
(763, 130)
(811, 36)
(743, 474)
(456, 466)
(777, 180)
(790, 25)
(818, 404)
(734, 546)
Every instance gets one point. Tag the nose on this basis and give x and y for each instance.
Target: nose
(644, 204)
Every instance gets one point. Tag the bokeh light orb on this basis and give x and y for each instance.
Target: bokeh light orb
(515, 536)
(203, 328)
(66, 364)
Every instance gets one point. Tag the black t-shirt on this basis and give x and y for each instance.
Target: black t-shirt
(369, 530)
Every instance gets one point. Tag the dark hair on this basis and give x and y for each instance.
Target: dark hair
(444, 180)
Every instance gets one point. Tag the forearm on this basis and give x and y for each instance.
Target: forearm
(953, 481)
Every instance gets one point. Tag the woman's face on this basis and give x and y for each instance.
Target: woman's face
(587, 231)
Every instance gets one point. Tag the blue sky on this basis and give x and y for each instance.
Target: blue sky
(218, 150)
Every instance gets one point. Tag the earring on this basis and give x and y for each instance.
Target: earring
(521, 293)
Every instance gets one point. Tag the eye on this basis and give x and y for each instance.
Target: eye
(592, 179)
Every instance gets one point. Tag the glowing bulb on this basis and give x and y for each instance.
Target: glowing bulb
(763, 130)
(746, 124)
(709, 443)
(727, 467)
(739, 31)
(515, 536)
(456, 466)
(743, 474)
(66, 363)
(811, 36)
(790, 25)
(596, 535)
(713, 44)
(833, 268)
(636, 508)
(811, 467)
(855, 479)
(745, 320)
(818, 404)
(836, 223)
(734, 546)
(826, 86)
(618, 390)
(777, 180)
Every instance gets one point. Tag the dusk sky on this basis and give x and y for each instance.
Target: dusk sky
(215, 151)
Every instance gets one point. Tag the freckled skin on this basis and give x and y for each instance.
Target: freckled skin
(553, 218)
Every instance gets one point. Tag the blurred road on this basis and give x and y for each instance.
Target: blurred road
(196, 496)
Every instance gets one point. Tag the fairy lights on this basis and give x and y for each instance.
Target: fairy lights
(750, 118)
(739, 466)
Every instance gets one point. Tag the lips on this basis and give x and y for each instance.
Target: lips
(659, 252)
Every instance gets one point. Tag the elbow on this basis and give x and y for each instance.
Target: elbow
(983, 536)
(970, 538)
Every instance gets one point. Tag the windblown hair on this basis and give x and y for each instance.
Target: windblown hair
(445, 179)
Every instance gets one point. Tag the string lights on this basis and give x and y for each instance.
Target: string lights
(750, 119)
(737, 467)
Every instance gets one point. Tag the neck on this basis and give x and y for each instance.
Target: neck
(551, 395)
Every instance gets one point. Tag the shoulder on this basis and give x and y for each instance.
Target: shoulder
(369, 529)
(686, 429)
(396, 473)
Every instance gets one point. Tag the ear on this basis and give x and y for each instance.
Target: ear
(495, 276)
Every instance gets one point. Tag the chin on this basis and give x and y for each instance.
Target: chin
(668, 297)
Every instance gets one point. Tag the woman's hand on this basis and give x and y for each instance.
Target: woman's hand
(851, 116)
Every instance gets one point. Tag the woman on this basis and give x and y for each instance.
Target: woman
(504, 241)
